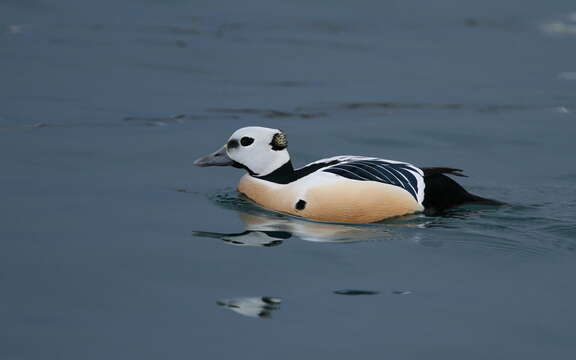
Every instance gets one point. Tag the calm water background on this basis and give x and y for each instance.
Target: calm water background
(104, 106)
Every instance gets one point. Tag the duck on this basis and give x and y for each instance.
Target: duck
(339, 189)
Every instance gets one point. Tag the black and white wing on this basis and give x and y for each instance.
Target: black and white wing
(404, 175)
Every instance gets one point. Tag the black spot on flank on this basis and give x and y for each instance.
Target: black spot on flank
(232, 144)
(300, 205)
(246, 141)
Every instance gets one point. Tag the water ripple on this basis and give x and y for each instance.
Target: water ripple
(519, 230)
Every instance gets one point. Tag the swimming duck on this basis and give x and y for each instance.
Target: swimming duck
(344, 189)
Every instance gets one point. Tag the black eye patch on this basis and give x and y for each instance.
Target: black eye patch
(245, 141)
(232, 144)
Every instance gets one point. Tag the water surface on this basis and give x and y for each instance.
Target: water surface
(114, 246)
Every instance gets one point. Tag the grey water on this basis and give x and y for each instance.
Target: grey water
(114, 246)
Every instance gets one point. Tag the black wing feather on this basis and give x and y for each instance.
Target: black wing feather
(396, 174)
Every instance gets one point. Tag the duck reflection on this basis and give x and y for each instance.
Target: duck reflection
(272, 230)
(269, 229)
(257, 307)
(248, 237)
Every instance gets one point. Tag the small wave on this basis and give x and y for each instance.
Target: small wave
(563, 25)
(355, 292)
(508, 230)
(269, 113)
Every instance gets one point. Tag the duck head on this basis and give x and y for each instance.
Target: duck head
(259, 150)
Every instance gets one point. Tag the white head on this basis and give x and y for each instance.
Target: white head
(258, 149)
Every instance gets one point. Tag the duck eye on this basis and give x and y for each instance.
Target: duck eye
(245, 141)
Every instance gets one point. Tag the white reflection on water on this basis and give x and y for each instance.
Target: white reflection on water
(566, 25)
(266, 230)
(256, 307)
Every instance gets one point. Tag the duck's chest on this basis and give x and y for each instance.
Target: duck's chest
(277, 197)
(331, 199)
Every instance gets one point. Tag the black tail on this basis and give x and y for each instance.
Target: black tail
(442, 193)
